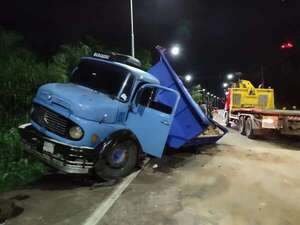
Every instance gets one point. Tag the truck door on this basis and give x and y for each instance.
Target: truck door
(151, 117)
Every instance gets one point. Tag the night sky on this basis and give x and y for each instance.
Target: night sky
(217, 37)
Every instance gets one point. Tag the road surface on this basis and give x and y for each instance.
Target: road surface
(238, 181)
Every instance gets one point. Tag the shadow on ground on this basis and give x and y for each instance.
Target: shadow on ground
(171, 160)
(287, 142)
(9, 208)
(56, 181)
(174, 159)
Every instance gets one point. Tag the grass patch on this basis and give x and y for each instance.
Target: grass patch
(16, 168)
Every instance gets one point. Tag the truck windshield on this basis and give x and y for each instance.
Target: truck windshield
(100, 76)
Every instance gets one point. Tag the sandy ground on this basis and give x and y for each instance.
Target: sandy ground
(238, 181)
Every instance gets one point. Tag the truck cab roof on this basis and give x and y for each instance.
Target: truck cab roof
(137, 73)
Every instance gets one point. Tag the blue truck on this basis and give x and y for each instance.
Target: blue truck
(110, 114)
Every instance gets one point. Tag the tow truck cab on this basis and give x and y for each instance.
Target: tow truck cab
(102, 120)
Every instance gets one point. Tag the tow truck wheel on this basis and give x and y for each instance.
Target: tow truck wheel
(118, 161)
(242, 125)
(249, 128)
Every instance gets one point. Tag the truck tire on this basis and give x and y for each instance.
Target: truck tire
(249, 128)
(242, 125)
(118, 161)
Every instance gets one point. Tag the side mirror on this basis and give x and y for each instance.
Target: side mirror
(71, 75)
(137, 99)
(134, 102)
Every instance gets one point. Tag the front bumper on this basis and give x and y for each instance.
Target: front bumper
(66, 158)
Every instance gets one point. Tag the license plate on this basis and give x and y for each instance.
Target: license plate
(48, 147)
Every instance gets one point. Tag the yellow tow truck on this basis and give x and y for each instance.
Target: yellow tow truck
(253, 111)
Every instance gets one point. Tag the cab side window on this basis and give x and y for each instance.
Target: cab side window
(148, 97)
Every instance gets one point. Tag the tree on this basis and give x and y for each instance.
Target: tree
(197, 94)
(145, 57)
(69, 56)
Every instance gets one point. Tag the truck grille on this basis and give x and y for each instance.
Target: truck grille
(50, 120)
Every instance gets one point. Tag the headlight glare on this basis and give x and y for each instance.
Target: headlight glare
(76, 132)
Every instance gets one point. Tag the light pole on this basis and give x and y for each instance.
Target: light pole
(132, 30)
(215, 101)
(208, 98)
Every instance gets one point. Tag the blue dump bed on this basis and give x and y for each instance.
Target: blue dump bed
(190, 124)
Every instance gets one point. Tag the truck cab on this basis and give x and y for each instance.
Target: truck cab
(102, 120)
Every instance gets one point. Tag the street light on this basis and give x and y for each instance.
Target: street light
(225, 85)
(230, 76)
(175, 50)
(188, 78)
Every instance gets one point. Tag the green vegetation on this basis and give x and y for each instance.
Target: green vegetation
(197, 94)
(21, 73)
(15, 169)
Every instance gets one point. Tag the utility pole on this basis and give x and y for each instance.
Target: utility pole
(262, 75)
(132, 30)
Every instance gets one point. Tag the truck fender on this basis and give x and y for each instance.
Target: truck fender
(115, 137)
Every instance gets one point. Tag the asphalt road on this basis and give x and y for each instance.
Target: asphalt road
(237, 181)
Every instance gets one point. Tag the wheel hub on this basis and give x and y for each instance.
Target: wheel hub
(118, 156)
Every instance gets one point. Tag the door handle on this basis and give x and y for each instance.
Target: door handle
(165, 122)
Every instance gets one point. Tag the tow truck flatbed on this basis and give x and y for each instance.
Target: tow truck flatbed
(268, 112)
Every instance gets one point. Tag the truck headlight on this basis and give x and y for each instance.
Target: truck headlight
(76, 132)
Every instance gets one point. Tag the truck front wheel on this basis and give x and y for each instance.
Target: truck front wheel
(118, 161)
(249, 128)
